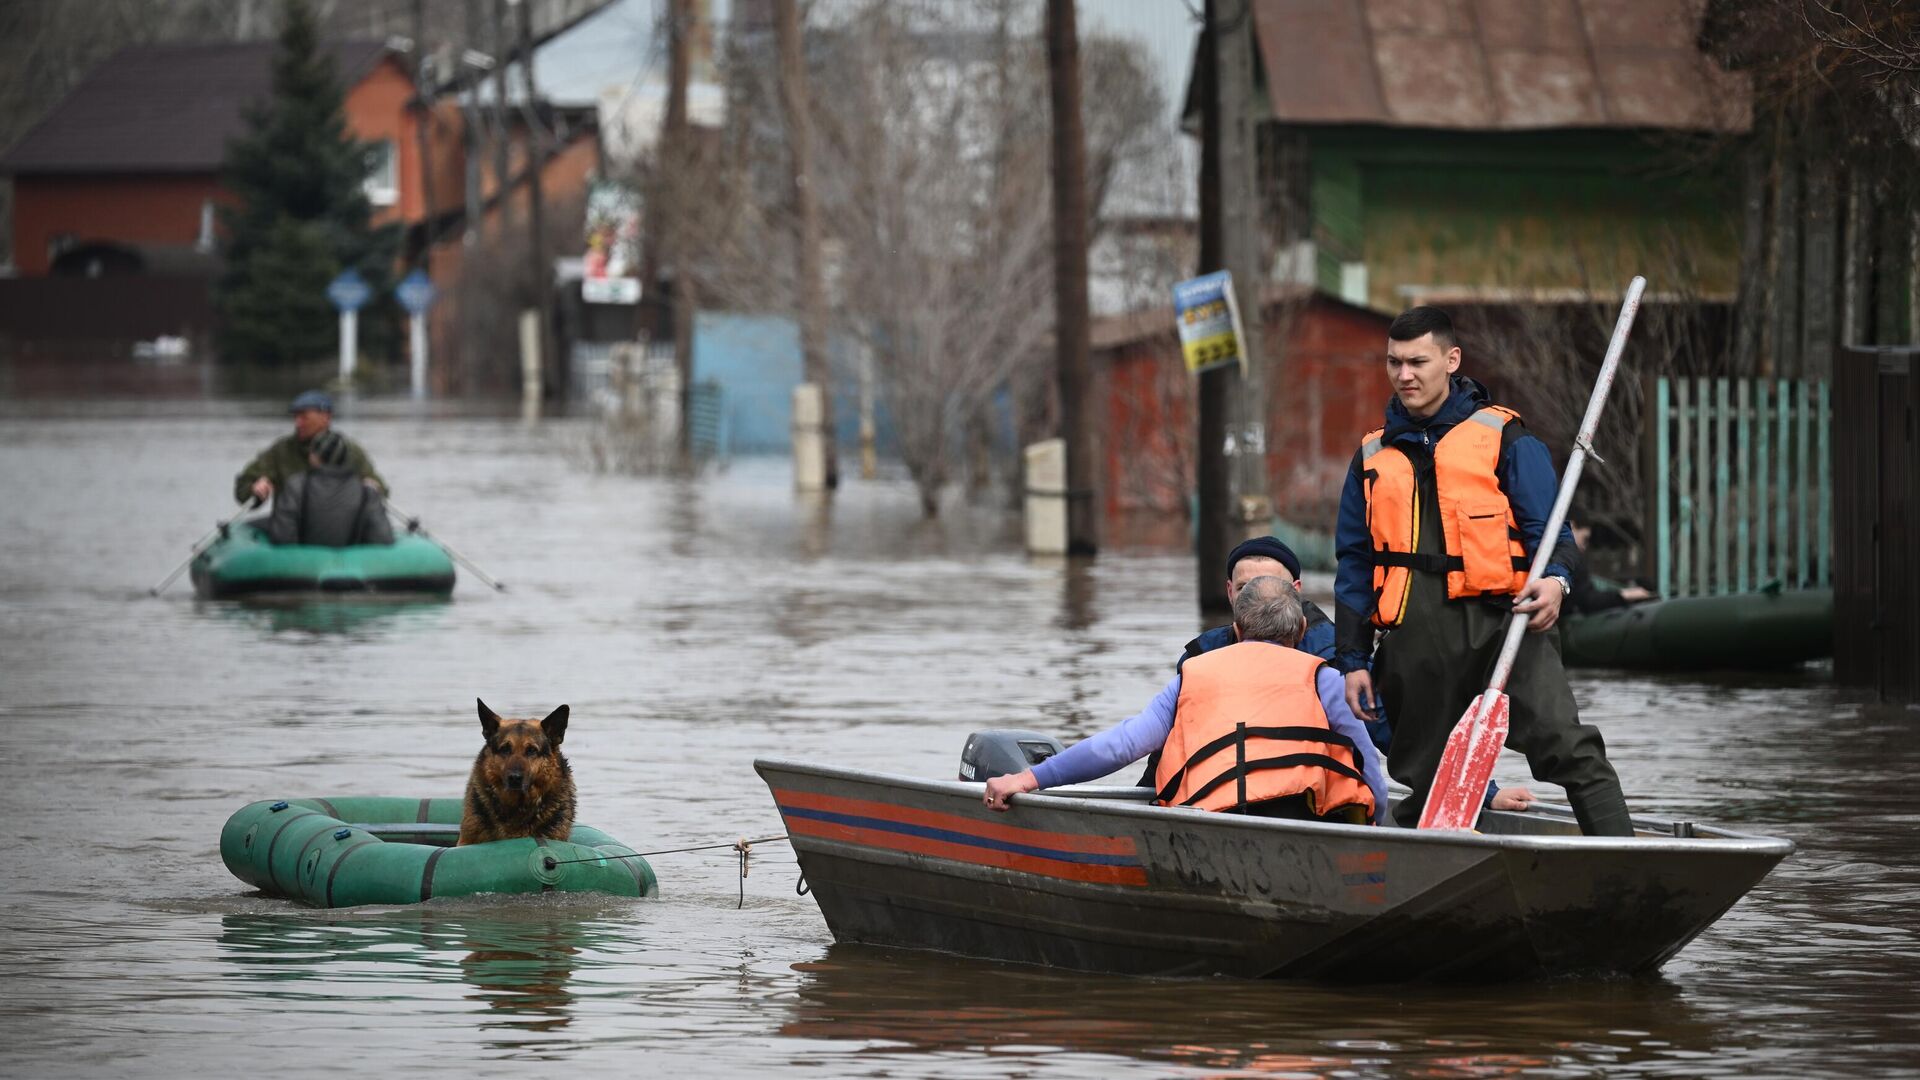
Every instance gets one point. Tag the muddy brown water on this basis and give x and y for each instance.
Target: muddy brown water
(692, 626)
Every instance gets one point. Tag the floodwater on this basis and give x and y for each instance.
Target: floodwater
(692, 625)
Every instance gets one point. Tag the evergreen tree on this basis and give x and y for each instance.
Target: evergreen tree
(299, 215)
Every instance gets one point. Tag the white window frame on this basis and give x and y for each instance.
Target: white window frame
(382, 184)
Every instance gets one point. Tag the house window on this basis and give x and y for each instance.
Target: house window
(383, 174)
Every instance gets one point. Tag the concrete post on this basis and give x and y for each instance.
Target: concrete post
(664, 412)
(530, 363)
(349, 344)
(869, 457)
(809, 438)
(1046, 469)
(417, 334)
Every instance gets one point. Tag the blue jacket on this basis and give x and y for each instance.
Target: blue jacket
(1527, 477)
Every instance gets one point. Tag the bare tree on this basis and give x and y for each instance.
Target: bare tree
(933, 190)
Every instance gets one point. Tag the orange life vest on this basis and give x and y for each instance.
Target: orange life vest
(1249, 727)
(1484, 556)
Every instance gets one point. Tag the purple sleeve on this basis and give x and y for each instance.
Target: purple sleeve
(1118, 746)
(1333, 697)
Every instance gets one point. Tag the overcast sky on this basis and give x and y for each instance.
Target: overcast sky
(618, 46)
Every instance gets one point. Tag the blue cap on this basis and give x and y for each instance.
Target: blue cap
(311, 399)
(1268, 547)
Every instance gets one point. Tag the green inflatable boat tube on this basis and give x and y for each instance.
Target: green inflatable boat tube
(244, 563)
(1765, 629)
(383, 850)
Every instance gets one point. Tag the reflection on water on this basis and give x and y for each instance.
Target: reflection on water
(322, 615)
(517, 961)
(693, 624)
(908, 1004)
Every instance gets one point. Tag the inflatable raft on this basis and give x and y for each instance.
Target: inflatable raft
(1741, 630)
(375, 850)
(244, 563)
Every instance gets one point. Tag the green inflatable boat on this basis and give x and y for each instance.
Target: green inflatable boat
(1766, 629)
(244, 563)
(382, 850)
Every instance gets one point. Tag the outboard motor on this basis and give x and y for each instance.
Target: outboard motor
(1003, 751)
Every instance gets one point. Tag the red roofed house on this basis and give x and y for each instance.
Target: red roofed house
(115, 189)
(1470, 153)
(131, 158)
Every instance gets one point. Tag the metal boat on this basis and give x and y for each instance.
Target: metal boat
(1097, 879)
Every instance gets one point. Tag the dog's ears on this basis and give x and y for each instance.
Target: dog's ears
(489, 723)
(555, 725)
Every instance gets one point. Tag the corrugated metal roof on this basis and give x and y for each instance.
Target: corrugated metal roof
(1495, 65)
(163, 108)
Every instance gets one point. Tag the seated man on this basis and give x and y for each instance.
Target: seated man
(312, 414)
(1589, 597)
(1307, 757)
(328, 505)
(1265, 556)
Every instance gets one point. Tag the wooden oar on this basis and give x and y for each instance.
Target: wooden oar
(203, 543)
(1467, 764)
(413, 525)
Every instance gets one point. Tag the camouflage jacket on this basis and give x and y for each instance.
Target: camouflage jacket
(288, 455)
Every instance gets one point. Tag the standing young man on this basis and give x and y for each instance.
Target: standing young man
(1442, 511)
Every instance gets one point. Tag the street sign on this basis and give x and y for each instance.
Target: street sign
(349, 291)
(610, 290)
(416, 292)
(1208, 320)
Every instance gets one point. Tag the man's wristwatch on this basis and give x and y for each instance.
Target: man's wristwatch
(1566, 587)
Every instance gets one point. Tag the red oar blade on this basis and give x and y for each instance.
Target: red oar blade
(1460, 784)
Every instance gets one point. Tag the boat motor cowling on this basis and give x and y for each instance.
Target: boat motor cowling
(1004, 750)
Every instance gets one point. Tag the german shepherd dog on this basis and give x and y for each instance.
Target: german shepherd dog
(520, 784)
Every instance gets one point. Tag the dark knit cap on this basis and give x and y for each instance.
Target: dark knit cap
(330, 447)
(1266, 547)
(311, 399)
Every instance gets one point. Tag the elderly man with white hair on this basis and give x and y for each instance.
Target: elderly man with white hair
(1257, 727)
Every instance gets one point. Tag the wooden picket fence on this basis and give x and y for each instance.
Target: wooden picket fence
(1743, 487)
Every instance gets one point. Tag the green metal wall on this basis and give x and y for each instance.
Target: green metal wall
(1546, 210)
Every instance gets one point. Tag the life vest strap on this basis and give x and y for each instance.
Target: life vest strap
(1285, 761)
(1231, 738)
(1434, 564)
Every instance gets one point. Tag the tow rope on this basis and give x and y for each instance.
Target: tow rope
(743, 846)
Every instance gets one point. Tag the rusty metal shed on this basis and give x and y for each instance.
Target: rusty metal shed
(1495, 65)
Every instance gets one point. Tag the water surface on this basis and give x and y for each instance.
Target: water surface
(692, 625)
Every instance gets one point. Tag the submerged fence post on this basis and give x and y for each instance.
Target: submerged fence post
(530, 364)
(809, 437)
(1046, 506)
(1784, 409)
(1723, 567)
(1663, 514)
(1762, 419)
(1742, 539)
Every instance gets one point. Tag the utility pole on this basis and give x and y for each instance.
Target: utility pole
(502, 177)
(794, 100)
(423, 120)
(674, 159)
(1242, 238)
(536, 203)
(1233, 501)
(1074, 365)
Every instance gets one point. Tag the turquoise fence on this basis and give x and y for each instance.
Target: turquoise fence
(1743, 488)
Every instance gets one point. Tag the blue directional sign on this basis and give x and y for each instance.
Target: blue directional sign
(349, 291)
(415, 292)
